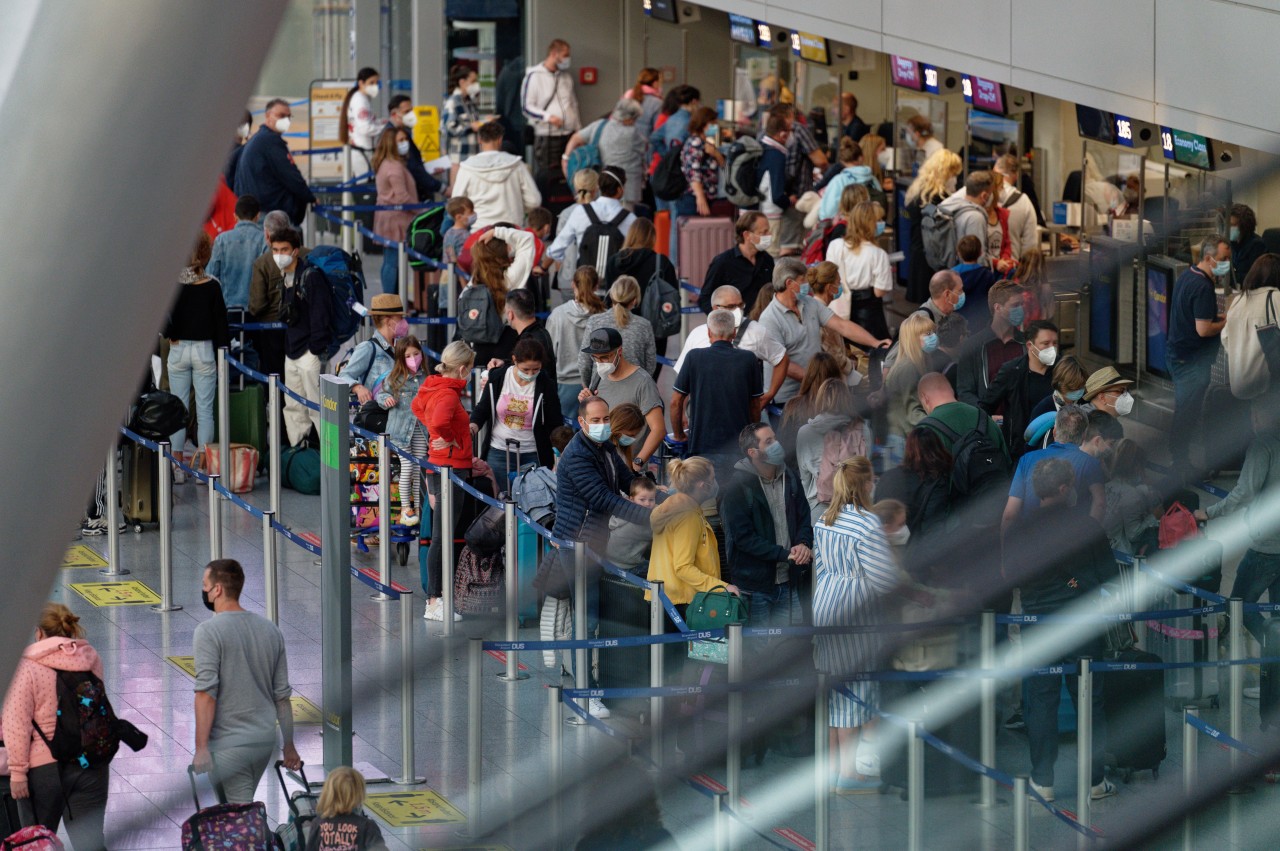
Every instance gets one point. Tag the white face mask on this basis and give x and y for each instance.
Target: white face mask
(885, 159)
(604, 370)
(564, 64)
(898, 538)
(371, 90)
(243, 131)
(764, 242)
(282, 124)
(473, 90)
(1048, 356)
(737, 317)
(409, 119)
(402, 148)
(283, 261)
(1124, 404)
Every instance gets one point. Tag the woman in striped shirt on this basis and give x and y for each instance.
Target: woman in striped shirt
(854, 569)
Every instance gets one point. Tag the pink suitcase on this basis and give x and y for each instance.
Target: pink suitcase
(700, 241)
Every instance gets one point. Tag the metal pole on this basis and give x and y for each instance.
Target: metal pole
(215, 518)
(274, 438)
(821, 766)
(451, 288)
(402, 274)
(657, 674)
(988, 710)
(474, 725)
(165, 495)
(721, 810)
(684, 317)
(555, 762)
(915, 786)
(1084, 749)
(269, 578)
(113, 567)
(733, 755)
(580, 656)
(1235, 608)
(1190, 767)
(513, 673)
(1021, 815)
(446, 543)
(224, 412)
(408, 770)
(384, 517)
(348, 198)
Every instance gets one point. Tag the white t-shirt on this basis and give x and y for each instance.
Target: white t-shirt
(862, 272)
(513, 419)
(756, 339)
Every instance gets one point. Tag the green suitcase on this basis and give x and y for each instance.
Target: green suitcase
(248, 417)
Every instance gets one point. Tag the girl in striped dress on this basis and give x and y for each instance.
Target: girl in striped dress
(854, 569)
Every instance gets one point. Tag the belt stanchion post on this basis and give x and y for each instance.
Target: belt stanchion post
(165, 495)
(450, 282)
(112, 517)
(684, 317)
(1190, 768)
(224, 412)
(274, 437)
(402, 272)
(822, 766)
(408, 768)
(1235, 648)
(1084, 749)
(1021, 815)
(988, 708)
(269, 577)
(581, 658)
(446, 548)
(475, 650)
(733, 755)
(513, 673)
(555, 762)
(384, 517)
(348, 198)
(657, 625)
(915, 787)
(215, 518)
(722, 826)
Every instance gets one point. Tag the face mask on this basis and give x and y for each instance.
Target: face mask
(879, 228)
(1075, 395)
(1048, 356)
(401, 329)
(950, 185)
(626, 440)
(371, 90)
(473, 90)
(283, 261)
(839, 292)
(282, 124)
(776, 454)
(1235, 234)
(409, 119)
(805, 289)
(885, 159)
(402, 148)
(563, 64)
(898, 538)
(763, 243)
(929, 343)
(599, 432)
(1131, 196)
(737, 316)
(413, 362)
(604, 370)
(1222, 269)
(1124, 404)
(204, 598)
(960, 301)
(715, 492)
(525, 376)
(1016, 315)
(243, 132)
(471, 220)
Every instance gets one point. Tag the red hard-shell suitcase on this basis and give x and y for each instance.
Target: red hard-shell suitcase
(700, 241)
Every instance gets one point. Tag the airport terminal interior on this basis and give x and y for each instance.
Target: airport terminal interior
(434, 463)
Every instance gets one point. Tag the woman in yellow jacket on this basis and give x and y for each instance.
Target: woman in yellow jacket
(684, 555)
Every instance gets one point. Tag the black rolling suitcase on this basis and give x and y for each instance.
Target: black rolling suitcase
(943, 775)
(1269, 681)
(1134, 706)
(624, 612)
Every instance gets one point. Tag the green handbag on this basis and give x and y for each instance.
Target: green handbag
(715, 609)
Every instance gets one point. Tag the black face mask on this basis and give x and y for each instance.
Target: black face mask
(204, 598)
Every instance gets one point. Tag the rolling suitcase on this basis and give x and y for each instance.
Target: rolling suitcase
(1187, 639)
(140, 489)
(240, 826)
(624, 612)
(1269, 680)
(943, 775)
(293, 832)
(1134, 705)
(700, 240)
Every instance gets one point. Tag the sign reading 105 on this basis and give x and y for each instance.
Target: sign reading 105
(1124, 129)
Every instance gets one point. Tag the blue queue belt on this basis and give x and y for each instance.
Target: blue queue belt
(1216, 734)
(1179, 585)
(373, 208)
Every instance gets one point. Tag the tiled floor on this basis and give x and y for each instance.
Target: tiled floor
(150, 796)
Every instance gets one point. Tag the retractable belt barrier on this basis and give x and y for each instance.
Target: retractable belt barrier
(1219, 736)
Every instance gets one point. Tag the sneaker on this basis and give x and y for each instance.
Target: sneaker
(1046, 792)
(1105, 789)
(1015, 722)
(867, 762)
(1252, 692)
(179, 477)
(597, 709)
(409, 519)
(95, 526)
(851, 786)
(435, 612)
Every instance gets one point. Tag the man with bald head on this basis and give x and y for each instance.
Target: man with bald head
(938, 398)
(748, 335)
(946, 295)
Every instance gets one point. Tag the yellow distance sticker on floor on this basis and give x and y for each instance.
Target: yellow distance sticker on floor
(187, 664)
(304, 711)
(131, 593)
(412, 809)
(82, 556)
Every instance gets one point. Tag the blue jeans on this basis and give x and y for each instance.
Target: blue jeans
(1257, 573)
(1041, 696)
(771, 608)
(569, 399)
(1190, 383)
(193, 362)
(390, 265)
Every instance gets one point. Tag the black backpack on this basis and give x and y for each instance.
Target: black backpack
(668, 178)
(601, 240)
(980, 475)
(86, 732)
(425, 236)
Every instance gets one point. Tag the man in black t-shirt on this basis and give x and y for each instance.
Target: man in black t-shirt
(1194, 327)
(1021, 384)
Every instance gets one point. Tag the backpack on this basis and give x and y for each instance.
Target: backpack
(301, 468)
(601, 240)
(660, 303)
(478, 320)
(534, 492)
(816, 249)
(345, 275)
(938, 230)
(425, 236)
(742, 173)
(158, 415)
(837, 445)
(85, 732)
(585, 156)
(34, 838)
(668, 181)
(981, 470)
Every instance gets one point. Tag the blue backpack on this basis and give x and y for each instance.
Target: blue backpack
(345, 275)
(585, 156)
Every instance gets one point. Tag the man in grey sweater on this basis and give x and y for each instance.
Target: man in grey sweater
(968, 211)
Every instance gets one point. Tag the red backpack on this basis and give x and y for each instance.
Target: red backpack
(837, 445)
(1177, 525)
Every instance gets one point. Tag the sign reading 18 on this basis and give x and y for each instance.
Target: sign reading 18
(1166, 140)
(931, 77)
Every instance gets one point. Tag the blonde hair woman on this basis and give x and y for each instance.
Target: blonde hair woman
(917, 341)
(586, 188)
(936, 180)
(853, 569)
(864, 268)
(824, 285)
(638, 344)
(685, 557)
(338, 816)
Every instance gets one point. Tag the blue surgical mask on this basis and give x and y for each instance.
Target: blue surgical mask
(960, 301)
(805, 289)
(1222, 269)
(524, 376)
(1076, 395)
(839, 292)
(930, 342)
(775, 454)
(879, 228)
(626, 439)
(1016, 315)
(1235, 233)
(599, 432)
(555, 453)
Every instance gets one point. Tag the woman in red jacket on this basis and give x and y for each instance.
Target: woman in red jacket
(439, 407)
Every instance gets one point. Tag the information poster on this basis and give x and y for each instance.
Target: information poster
(326, 114)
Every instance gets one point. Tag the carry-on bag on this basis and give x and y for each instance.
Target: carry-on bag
(294, 832)
(243, 459)
(700, 240)
(140, 498)
(477, 582)
(624, 612)
(1134, 705)
(239, 826)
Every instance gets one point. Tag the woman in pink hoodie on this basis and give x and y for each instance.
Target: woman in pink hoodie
(32, 702)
